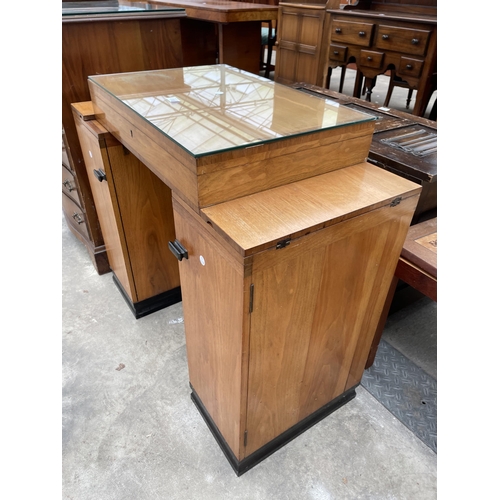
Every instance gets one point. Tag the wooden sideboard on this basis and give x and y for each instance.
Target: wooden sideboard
(286, 240)
(378, 36)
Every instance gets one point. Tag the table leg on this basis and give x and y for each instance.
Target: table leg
(239, 45)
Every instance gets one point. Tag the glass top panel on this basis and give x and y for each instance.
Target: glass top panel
(209, 109)
(111, 7)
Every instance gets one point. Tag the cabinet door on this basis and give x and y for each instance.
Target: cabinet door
(96, 159)
(216, 321)
(299, 47)
(316, 305)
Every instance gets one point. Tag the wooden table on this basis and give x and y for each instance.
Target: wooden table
(286, 240)
(238, 27)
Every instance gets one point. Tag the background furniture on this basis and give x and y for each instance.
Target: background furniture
(263, 246)
(388, 35)
(96, 42)
(267, 43)
(238, 28)
(314, 38)
(402, 143)
(302, 45)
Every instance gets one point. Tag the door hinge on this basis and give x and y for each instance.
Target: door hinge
(251, 298)
(283, 243)
(245, 438)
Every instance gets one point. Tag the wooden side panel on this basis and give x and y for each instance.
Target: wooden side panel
(316, 308)
(300, 44)
(96, 158)
(240, 55)
(286, 61)
(393, 245)
(145, 209)
(212, 281)
(310, 47)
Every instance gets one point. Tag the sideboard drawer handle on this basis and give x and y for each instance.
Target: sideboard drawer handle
(78, 218)
(338, 30)
(336, 52)
(385, 37)
(68, 186)
(370, 58)
(362, 33)
(409, 66)
(414, 41)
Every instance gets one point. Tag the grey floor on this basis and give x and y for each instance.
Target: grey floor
(130, 430)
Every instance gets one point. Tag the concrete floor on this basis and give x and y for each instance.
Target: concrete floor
(131, 432)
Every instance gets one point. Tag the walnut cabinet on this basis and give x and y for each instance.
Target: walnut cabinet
(286, 240)
(278, 332)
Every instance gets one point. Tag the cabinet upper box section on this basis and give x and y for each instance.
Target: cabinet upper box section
(209, 109)
(214, 133)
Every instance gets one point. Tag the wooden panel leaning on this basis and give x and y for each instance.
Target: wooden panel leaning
(135, 212)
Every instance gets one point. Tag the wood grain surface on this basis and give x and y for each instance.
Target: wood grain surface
(258, 221)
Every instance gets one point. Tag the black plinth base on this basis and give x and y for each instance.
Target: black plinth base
(151, 305)
(257, 456)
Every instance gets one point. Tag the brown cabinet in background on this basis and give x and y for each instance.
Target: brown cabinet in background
(106, 44)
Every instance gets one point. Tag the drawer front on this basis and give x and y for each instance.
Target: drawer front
(355, 33)
(407, 40)
(69, 185)
(65, 159)
(371, 59)
(338, 53)
(74, 215)
(410, 67)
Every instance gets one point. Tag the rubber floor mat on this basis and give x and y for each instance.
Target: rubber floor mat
(407, 391)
